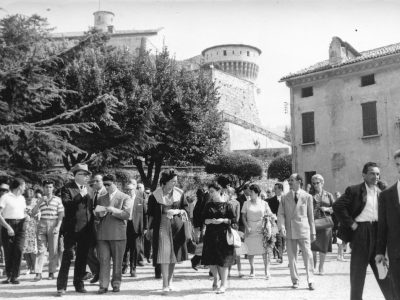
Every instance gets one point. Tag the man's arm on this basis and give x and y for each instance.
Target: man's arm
(382, 226)
(342, 207)
(125, 210)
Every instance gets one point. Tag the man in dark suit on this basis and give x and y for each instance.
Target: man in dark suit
(389, 229)
(135, 230)
(274, 205)
(77, 227)
(114, 210)
(357, 212)
(242, 198)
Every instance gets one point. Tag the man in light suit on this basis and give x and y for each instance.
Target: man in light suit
(114, 210)
(296, 223)
(389, 229)
(135, 231)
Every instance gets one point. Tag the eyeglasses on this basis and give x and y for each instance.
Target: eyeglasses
(107, 184)
(316, 183)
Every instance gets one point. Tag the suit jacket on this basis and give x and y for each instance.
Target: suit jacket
(297, 219)
(139, 219)
(202, 199)
(348, 207)
(273, 203)
(113, 226)
(78, 209)
(389, 223)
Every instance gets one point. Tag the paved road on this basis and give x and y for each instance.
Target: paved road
(197, 285)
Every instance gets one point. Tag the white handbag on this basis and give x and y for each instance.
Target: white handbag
(233, 238)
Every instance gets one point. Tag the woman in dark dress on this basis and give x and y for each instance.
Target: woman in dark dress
(218, 215)
(322, 201)
(167, 211)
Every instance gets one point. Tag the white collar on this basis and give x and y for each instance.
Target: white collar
(176, 195)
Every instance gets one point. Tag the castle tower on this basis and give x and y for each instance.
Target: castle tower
(237, 59)
(103, 21)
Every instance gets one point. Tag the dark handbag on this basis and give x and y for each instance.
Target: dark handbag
(323, 223)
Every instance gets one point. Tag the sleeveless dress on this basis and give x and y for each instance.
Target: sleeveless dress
(254, 215)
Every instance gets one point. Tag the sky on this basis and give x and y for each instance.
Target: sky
(292, 35)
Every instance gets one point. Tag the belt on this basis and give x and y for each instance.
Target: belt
(14, 220)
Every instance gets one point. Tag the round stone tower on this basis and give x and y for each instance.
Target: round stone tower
(103, 20)
(237, 59)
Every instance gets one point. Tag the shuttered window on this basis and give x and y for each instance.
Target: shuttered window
(307, 92)
(368, 80)
(369, 118)
(308, 127)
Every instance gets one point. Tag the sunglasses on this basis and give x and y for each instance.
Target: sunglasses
(107, 184)
(316, 183)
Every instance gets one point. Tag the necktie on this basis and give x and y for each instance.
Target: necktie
(95, 200)
(295, 198)
(81, 187)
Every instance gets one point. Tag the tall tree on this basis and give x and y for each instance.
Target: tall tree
(35, 128)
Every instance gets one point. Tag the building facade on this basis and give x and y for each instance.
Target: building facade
(345, 111)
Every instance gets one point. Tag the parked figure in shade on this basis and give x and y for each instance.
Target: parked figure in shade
(77, 198)
(274, 205)
(51, 212)
(4, 188)
(115, 210)
(167, 208)
(12, 220)
(296, 223)
(242, 198)
(357, 212)
(135, 230)
(31, 221)
(389, 229)
(322, 201)
(236, 209)
(93, 260)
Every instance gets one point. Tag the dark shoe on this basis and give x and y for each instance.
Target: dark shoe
(148, 260)
(60, 293)
(38, 277)
(115, 289)
(140, 263)
(87, 276)
(133, 273)
(6, 281)
(51, 276)
(102, 290)
(95, 278)
(124, 269)
(14, 281)
(81, 290)
(295, 285)
(311, 286)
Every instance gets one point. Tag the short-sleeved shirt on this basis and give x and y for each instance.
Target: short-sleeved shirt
(50, 210)
(13, 206)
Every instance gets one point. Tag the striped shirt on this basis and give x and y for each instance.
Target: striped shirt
(49, 210)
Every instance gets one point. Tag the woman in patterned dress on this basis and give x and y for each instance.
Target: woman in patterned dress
(30, 246)
(167, 211)
(218, 216)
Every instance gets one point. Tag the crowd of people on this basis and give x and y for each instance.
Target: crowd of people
(100, 224)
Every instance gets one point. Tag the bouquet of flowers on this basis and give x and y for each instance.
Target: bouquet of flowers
(269, 231)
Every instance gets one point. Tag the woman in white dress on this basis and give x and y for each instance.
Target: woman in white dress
(253, 212)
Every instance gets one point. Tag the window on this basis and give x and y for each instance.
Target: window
(367, 80)
(308, 127)
(224, 52)
(248, 53)
(369, 118)
(307, 179)
(307, 92)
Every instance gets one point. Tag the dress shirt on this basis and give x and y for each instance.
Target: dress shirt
(133, 205)
(370, 211)
(13, 206)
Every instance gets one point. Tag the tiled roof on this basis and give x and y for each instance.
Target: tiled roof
(365, 55)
